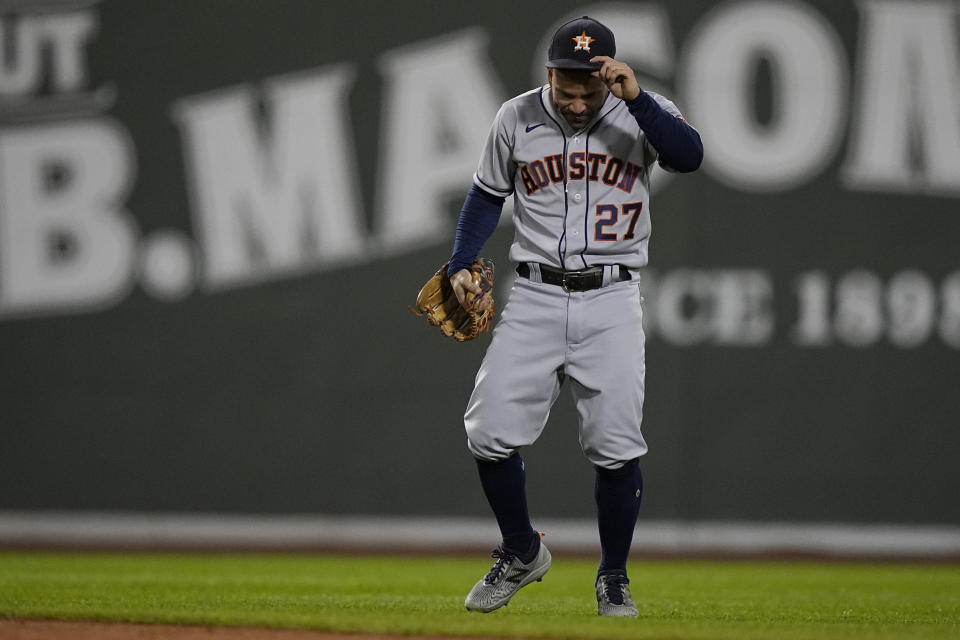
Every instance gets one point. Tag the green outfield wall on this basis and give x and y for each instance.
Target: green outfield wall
(213, 216)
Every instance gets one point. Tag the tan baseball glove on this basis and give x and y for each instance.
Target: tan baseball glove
(439, 303)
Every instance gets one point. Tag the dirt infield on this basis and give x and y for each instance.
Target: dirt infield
(58, 630)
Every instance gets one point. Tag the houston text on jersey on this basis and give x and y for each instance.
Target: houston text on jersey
(540, 173)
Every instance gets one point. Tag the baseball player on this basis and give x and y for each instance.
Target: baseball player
(576, 155)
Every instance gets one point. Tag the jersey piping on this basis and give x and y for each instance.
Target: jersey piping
(566, 206)
(586, 213)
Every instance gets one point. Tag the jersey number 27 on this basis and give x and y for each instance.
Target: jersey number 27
(609, 214)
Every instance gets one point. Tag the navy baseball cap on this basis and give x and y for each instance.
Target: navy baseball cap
(578, 40)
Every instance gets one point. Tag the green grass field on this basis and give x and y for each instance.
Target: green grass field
(416, 595)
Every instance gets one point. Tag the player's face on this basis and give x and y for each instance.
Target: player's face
(578, 95)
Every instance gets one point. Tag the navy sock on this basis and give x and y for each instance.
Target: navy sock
(504, 484)
(618, 493)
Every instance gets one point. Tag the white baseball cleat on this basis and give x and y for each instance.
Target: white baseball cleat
(613, 596)
(506, 577)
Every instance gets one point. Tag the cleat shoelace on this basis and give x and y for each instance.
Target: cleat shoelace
(503, 561)
(613, 588)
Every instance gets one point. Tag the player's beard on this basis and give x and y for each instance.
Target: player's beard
(579, 121)
(576, 121)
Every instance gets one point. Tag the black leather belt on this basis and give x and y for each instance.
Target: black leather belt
(583, 280)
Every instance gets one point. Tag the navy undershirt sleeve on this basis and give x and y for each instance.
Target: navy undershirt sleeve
(678, 143)
(478, 219)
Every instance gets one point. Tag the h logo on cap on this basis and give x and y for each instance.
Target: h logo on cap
(583, 42)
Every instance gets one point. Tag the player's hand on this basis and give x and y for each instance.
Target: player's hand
(618, 77)
(462, 283)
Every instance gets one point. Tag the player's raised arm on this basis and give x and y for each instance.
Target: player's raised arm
(677, 143)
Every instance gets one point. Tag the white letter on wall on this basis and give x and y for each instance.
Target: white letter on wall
(809, 93)
(908, 92)
(439, 100)
(273, 204)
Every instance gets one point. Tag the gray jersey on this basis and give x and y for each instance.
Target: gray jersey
(581, 198)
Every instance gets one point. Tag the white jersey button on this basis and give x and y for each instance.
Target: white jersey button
(578, 197)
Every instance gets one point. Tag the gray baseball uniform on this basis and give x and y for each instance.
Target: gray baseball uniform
(581, 200)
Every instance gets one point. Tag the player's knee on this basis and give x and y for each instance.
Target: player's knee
(604, 461)
(484, 446)
(619, 469)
